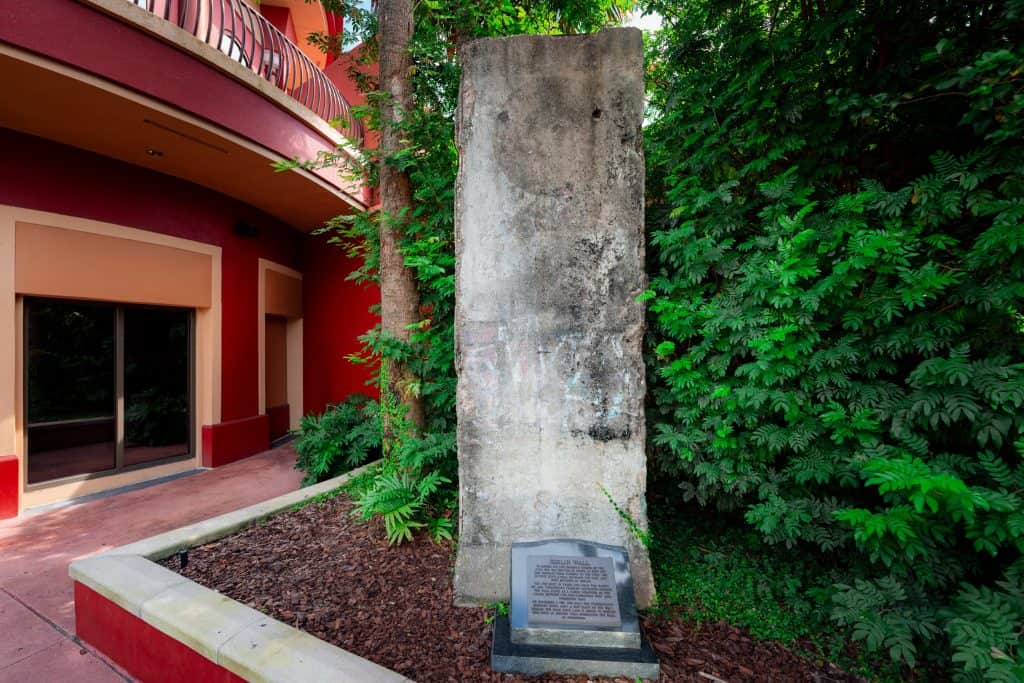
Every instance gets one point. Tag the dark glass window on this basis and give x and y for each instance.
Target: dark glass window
(80, 359)
(156, 384)
(70, 367)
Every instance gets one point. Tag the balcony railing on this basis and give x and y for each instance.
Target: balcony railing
(244, 35)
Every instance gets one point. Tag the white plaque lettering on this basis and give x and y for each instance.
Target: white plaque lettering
(566, 590)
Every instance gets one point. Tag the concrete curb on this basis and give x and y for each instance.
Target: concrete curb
(238, 638)
(166, 544)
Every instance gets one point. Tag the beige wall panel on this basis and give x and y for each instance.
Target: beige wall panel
(295, 400)
(280, 294)
(53, 261)
(277, 361)
(8, 340)
(284, 294)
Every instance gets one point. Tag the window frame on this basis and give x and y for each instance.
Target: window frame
(119, 395)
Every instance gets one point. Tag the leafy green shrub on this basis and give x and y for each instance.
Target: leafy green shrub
(406, 502)
(836, 232)
(347, 435)
(414, 487)
(409, 489)
(719, 570)
(712, 567)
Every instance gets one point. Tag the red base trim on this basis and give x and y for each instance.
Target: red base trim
(279, 417)
(143, 651)
(9, 487)
(230, 441)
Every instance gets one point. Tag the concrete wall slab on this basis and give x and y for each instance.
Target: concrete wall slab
(550, 262)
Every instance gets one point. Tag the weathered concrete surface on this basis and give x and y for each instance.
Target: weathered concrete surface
(550, 260)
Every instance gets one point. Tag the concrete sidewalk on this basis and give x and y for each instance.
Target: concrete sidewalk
(37, 628)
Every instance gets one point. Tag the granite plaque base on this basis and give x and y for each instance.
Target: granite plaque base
(509, 657)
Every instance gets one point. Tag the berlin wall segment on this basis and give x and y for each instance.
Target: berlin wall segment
(550, 262)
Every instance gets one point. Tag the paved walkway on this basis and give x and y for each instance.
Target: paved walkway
(37, 619)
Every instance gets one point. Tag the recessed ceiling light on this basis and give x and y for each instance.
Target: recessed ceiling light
(154, 153)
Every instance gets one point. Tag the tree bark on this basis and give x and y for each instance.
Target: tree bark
(399, 296)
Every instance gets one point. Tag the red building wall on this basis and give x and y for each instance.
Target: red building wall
(46, 176)
(281, 18)
(335, 314)
(340, 72)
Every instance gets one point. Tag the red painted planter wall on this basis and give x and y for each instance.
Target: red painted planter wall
(143, 651)
(230, 441)
(9, 486)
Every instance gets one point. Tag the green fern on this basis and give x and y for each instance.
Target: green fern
(345, 436)
(402, 501)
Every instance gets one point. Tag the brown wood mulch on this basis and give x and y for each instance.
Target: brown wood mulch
(325, 572)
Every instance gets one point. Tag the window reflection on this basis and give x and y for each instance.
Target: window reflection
(156, 386)
(72, 360)
(70, 355)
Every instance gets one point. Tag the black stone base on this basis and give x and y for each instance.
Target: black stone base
(509, 657)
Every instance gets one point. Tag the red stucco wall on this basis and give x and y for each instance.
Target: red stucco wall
(9, 486)
(335, 314)
(234, 439)
(281, 18)
(340, 72)
(43, 175)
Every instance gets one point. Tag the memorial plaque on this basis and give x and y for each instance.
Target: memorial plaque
(572, 592)
(565, 590)
(572, 612)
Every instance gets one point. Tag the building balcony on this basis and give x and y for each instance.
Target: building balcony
(214, 92)
(247, 38)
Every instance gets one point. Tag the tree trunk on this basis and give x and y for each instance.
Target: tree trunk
(399, 297)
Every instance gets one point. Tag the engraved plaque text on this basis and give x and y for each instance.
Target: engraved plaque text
(566, 590)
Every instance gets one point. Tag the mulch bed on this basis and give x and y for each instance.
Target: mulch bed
(323, 571)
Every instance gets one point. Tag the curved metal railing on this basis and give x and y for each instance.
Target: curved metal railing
(243, 34)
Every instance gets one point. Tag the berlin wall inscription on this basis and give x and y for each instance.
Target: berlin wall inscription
(571, 590)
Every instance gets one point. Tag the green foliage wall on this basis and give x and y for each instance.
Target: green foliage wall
(415, 487)
(836, 261)
(836, 251)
